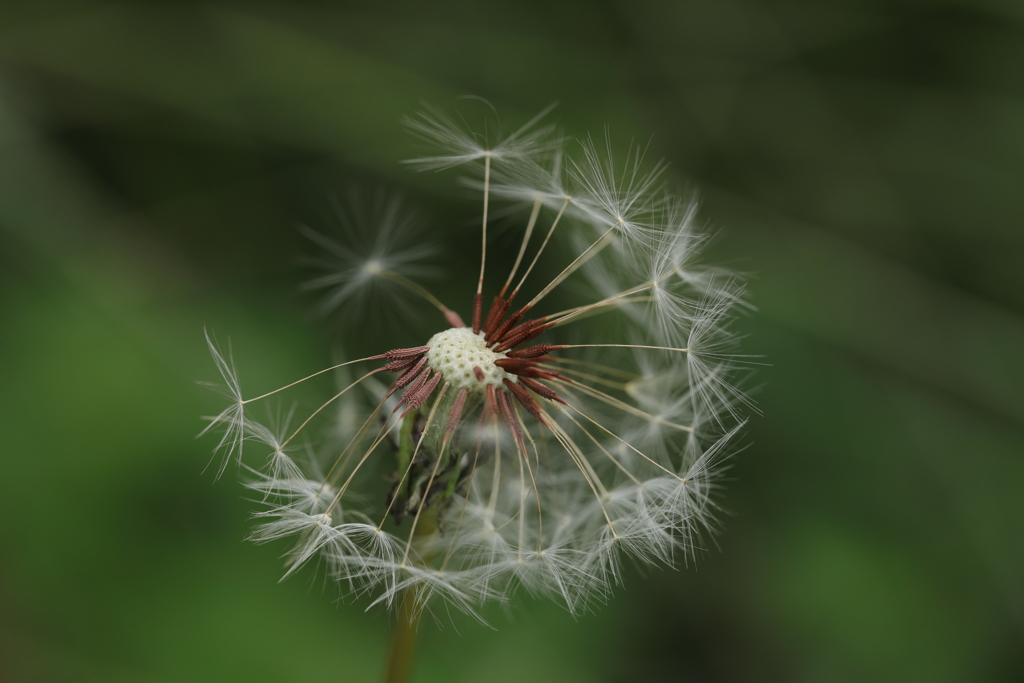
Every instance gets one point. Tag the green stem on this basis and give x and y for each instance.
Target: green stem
(403, 640)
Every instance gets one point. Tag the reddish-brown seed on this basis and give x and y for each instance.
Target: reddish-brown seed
(526, 325)
(492, 313)
(503, 329)
(534, 351)
(541, 389)
(478, 306)
(508, 414)
(453, 318)
(401, 364)
(479, 373)
(511, 363)
(537, 328)
(423, 392)
(524, 398)
(539, 373)
(514, 364)
(410, 393)
(494, 321)
(397, 354)
(456, 412)
(409, 375)
(490, 407)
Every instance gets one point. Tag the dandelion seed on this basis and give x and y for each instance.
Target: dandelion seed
(534, 447)
(461, 146)
(232, 419)
(370, 259)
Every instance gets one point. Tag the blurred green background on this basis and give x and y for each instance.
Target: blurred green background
(864, 161)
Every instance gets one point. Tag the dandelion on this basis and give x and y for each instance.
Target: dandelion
(531, 447)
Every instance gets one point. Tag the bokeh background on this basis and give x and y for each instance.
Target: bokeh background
(863, 161)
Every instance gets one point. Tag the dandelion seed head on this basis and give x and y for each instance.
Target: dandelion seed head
(533, 448)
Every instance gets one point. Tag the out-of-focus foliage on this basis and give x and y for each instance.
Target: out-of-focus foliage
(863, 161)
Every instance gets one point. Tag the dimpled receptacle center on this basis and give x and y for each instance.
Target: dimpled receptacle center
(455, 352)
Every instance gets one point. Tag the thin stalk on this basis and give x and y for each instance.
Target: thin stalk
(416, 288)
(425, 524)
(403, 640)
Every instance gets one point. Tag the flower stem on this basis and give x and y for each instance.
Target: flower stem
(403, 641)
